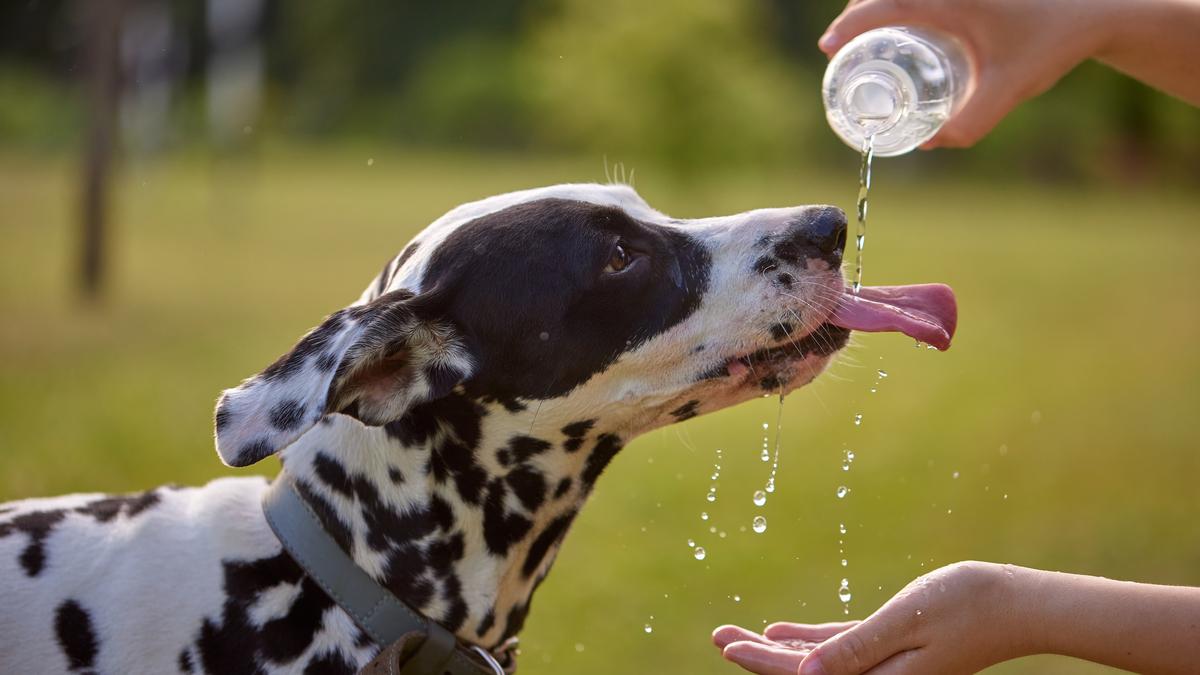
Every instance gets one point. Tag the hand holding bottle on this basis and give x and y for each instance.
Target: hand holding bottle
(1021, 48)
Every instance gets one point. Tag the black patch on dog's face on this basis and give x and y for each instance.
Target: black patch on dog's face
(76, 637)
(528, 287)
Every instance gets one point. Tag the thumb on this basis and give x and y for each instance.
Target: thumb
(861, 17)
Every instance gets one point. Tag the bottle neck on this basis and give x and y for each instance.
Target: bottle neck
(876, 99)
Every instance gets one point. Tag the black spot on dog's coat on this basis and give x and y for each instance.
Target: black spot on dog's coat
(564, 486)
(76, 636)
(185, 661)
(486, 623)
(764, 264)
(287, 415)
(529, 485)
(501, 529)
(254, 451)
(330, 663)
(523, 448)
(686, 411)
(607, 447)
(284, 639)
(37, 525)
(550, 536)
(331, 473)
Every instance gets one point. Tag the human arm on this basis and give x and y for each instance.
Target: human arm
(1021, 48)
(967, 616)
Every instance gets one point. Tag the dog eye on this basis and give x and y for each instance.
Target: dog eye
(619, 261)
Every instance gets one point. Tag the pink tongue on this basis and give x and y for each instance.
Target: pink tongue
(925, 312)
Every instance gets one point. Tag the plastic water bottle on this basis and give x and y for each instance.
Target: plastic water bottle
(896, 85)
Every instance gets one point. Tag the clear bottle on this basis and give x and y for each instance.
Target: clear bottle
(896, 84)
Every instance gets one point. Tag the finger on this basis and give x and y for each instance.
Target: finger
(910, 662)
(861, 17)
(728, 634)
(764, 659)
(807, 631)
(864, 646)
(988, 104)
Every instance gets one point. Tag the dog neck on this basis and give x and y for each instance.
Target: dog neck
(459, 507)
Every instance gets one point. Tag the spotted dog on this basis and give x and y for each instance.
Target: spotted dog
(446, 427)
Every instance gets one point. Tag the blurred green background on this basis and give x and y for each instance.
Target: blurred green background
(1059, 432)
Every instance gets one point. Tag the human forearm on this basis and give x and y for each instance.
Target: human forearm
(1140, 627)
(1156, 41)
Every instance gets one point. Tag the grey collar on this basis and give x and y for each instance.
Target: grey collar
(384, 617)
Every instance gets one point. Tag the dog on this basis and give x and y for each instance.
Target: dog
(446, 428)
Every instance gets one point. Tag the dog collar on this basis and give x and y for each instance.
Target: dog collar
(412, 644)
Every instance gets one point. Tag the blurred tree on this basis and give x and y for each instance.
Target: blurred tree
(683, 82)
(102, 21)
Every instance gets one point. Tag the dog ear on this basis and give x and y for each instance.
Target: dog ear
(372, 362)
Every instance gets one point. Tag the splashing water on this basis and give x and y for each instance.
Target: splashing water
(844, 591)
(842, 491)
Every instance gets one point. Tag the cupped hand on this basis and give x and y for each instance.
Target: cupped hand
(1018, 48)
(957, 619)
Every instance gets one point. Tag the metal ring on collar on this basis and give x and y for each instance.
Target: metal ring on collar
(488, 659)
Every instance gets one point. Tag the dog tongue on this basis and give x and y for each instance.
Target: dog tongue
(926, 312)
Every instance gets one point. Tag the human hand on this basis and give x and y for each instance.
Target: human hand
(957, 619)
(1018, 48)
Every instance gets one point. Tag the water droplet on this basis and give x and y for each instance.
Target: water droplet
(737, 598)
(543, 336)
(370, 161)
(919, 612)
(770, 484)
(882, 373)
(712, 529)
(649, 628)
(766, 426)
(760, 498)
(845, 466)
(691, 543)
(842, 528)
(765, 456)
(700, 553)
(844, 591)
(1006, 495)
(844, 563)
(858, 420)
(849, 455)
(760, 524)
(873, 390)
(579, 647)
(704, 515)
(842, 491)
(722, 535)
(1003, 449)
(712, 495)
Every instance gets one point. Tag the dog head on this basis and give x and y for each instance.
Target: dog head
(579, 297)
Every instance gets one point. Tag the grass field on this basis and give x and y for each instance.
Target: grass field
(1060, 431)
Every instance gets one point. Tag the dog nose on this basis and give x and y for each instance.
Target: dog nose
(825, 229)
(819, 232)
